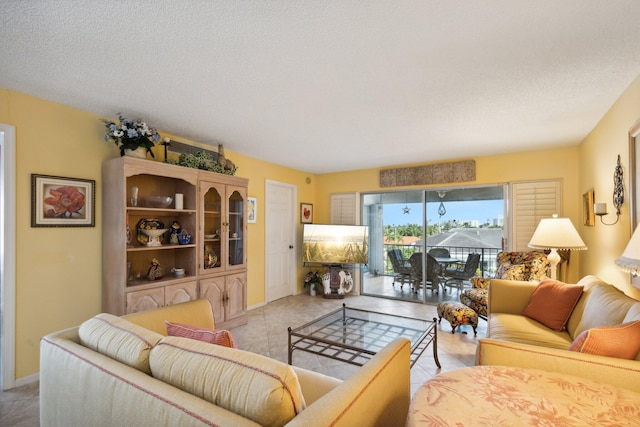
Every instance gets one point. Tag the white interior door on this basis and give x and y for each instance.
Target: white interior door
(280, 238)
(7, 255)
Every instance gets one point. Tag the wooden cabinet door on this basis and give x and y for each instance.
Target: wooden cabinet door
(213, 289)
(236, 286)
(236, 243)
(213, 227)
(181, 292)
(145, 300)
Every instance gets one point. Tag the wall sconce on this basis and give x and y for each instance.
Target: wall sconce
(600, 209)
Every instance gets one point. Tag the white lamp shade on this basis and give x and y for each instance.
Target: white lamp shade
(556, 233)
(630, 259)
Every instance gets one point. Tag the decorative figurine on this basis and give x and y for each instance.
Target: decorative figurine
(326, 283)
(175, 231)
(155, 271)
(184, 237)
(346, 282)
(210, 257)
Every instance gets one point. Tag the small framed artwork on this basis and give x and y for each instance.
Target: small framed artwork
(252, 206)
(62, 202)
(588, 217)
(306, 213)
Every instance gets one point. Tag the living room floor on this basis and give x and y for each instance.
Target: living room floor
(266, 333)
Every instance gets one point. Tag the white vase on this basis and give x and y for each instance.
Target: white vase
(312, 290)
(140, 152)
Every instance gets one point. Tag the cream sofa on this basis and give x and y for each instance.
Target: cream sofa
(516, 340)
(80, 386)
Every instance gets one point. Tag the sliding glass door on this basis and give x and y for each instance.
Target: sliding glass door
(405, 225)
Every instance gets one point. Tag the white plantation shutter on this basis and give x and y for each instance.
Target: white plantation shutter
(530, 202)
(344, 209)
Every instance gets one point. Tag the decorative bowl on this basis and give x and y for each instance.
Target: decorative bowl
(158, 201)
(154, 236)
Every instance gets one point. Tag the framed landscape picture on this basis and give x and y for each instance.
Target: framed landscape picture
(62, 202)
(306, 213)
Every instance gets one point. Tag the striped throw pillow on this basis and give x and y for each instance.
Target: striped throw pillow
(213, 336)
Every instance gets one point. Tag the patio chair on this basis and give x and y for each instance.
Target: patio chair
(433, 272)
(439, 252)
(527, 266)
(401, 267)
(463, 272)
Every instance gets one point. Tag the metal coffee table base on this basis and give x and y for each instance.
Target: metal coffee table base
(354, 336)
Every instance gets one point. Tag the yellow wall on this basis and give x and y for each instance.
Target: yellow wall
(561, 163)
(598, 155)
(58, 270)
(258, 172)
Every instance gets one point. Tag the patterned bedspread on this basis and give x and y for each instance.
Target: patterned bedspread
(507, 396)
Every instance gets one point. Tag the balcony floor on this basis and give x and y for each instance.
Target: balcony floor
(383, 286)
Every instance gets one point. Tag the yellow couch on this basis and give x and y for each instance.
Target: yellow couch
(516, 340)
(96, 374)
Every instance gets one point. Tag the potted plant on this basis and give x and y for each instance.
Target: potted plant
(134, 137)
(312, 279)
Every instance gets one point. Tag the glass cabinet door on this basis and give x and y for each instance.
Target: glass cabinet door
(237, 205)
(212, 227)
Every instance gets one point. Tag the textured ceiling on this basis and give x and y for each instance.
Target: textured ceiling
(325, 86)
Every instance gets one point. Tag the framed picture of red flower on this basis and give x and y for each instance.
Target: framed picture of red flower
(62, 202)
(306, 213)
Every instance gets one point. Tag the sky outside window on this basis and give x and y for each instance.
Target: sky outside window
(481, 211)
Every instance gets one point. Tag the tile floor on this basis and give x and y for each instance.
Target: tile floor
(266, 333)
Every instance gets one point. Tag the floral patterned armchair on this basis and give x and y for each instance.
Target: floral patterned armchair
(527, 266)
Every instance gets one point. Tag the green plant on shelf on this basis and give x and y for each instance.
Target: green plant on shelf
(202, 160)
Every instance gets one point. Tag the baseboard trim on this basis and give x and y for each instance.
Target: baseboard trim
(29, 379)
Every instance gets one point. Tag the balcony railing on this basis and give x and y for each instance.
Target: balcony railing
(487, 266)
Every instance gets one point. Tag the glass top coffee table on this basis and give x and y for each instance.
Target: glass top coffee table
(354, 336)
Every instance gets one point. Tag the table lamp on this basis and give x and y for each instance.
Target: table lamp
(556, 233)
(630, 259)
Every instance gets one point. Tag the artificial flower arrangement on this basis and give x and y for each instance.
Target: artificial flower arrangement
(131, 134)
(313, 278)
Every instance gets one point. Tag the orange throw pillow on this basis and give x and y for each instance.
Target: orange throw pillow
(552, 303)
(213, 336)
(621, 341)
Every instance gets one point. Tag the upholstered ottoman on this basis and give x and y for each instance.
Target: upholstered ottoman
(457, 314)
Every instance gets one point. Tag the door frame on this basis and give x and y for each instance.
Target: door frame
(294, 233)
(8, 255)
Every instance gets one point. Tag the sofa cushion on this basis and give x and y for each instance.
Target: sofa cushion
(633, 313)
(213, 336)
(621, 341)
(261, 389)
(521, 329)
(605, 305)
(119, 339)
(552, 303)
